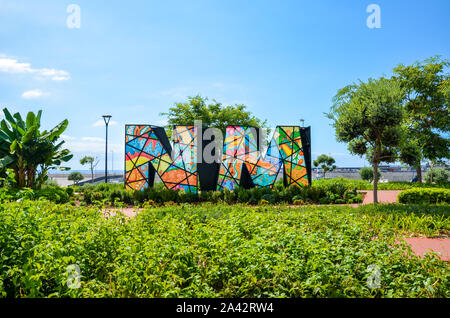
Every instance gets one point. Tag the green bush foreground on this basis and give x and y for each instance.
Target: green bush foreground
(219, 251)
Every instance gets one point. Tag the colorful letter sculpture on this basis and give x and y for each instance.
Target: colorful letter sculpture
(148, 151)
(242, 158)
(295, 155)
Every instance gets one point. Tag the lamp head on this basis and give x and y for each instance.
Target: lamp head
(106, 118)
(303, 122)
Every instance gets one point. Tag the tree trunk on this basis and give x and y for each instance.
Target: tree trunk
(16, 176)
(22, 179)
(375, 183)
(419, 173)
(31, 171)
(375, 163)
(431, 172)
(92, 174)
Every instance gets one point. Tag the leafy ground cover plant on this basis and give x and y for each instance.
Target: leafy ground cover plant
(218, 250)
(54, 194)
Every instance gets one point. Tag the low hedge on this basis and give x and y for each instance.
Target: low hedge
(366, 185)
(333, 193)
(424, 196)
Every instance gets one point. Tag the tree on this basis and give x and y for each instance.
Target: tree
(75, 177)
(92, 162)
(325, 162)
(28, 151)
(366, 173)
(427, 92)
(368, 116)
(438, 175)
(211, 115)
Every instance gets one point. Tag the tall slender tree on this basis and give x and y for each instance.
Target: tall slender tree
(91, 162)
(368, 117)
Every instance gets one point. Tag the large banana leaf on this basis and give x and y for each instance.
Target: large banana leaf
(8, 116)
(5, 161)
(31, 119)
(57, 131)
(30, 133)
(20, 122)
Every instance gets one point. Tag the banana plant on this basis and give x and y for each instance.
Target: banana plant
(28, 151)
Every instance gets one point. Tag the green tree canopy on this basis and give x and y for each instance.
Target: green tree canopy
(211, 114)
(368, 117)
(325, 162)
(91, 162)
(75, 177)
(426, 100)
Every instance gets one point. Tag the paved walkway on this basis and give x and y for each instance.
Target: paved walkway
(384, 196)
(423, 245)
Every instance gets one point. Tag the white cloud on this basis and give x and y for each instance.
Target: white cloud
(13, 66)
(101, 123)
(93, 139)
(65, 137)
(34, 93)
(91, 145)
(218, 85)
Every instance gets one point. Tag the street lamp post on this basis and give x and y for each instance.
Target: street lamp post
(106, 118)
(303, 122)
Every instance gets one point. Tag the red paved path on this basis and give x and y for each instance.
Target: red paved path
(384, 196)
(423, 245)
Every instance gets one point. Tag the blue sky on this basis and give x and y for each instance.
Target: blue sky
(285, 60)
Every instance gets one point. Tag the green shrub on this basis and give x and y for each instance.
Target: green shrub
(437, 175)
(229, 196)
(243, 195)
(424, 196)
(70, 191)
(327, 191)
(367, 174)
(49, 184)
(57, 195)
